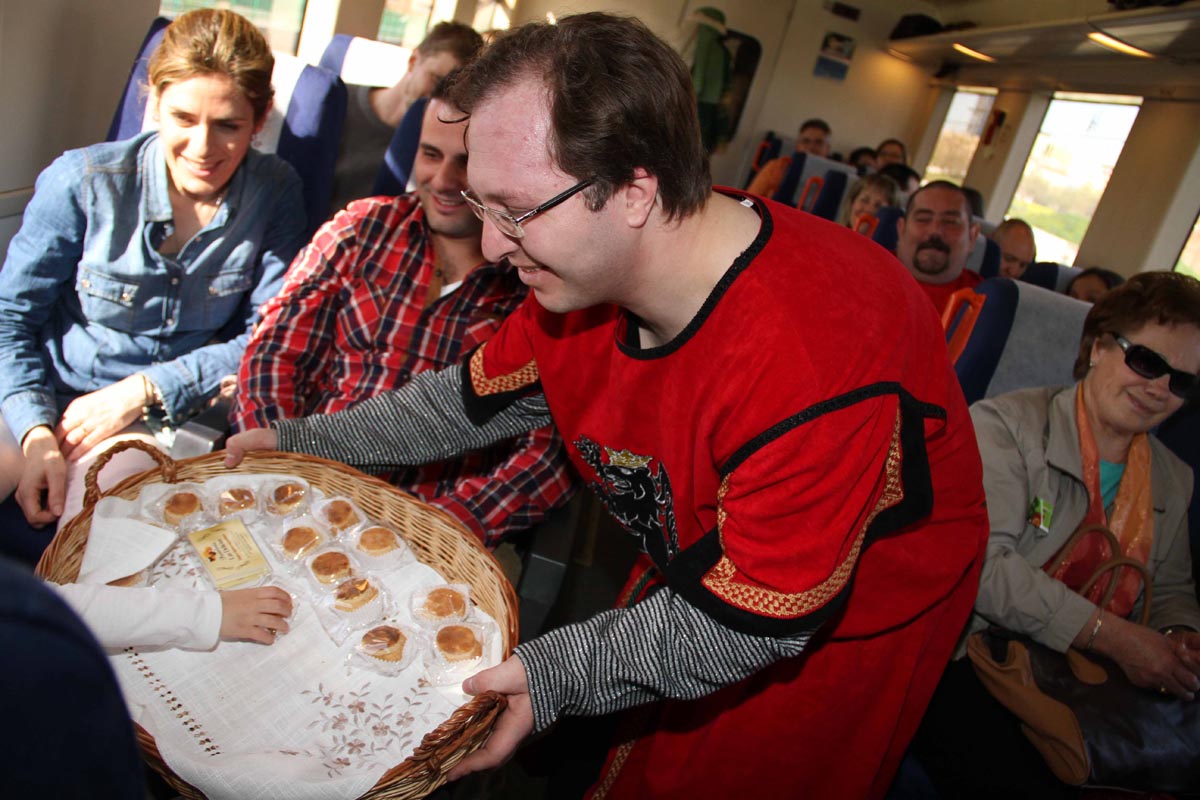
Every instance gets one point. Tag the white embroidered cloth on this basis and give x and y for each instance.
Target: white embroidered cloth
(296, 719)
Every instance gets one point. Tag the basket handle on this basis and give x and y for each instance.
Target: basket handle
(91, 486)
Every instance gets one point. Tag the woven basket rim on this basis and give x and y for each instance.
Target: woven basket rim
(466, 729)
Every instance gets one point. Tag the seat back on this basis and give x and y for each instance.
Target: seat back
(1048, 275)
(396, 172)
(365, 62)
(1181, 433)
(806, 177)
(769, 148)
(303, 127)
(829, 201)
(885, 232)
(1023, 336)
(984, 257)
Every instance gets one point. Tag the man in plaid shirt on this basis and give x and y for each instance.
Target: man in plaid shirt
(388, 288)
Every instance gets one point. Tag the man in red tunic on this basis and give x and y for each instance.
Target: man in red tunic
(793, 452)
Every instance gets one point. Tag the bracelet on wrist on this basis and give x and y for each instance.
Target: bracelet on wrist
(1095, 629)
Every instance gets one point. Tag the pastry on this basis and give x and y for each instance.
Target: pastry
(341, 515)
(180, 505)
(234, 500)
(136, 579)
(299, 540)
(354, 594)
(384, 642)
(445, 603)
(377, 541)
(286, 498)
(458, 643)
(331, 566)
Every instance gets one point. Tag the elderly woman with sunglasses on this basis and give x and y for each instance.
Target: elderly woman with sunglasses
(1056, 459)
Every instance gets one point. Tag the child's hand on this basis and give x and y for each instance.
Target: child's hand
(255, 614)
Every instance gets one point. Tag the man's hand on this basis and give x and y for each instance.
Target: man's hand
(43, 486)
(515, 722)
(255, 614)
(239, 444)
(93, 417)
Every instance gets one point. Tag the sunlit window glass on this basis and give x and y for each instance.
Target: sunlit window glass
(279, 20)
(960, 135)
(1189, 258)
(493, 15)
(1072, 159)
(405, 22)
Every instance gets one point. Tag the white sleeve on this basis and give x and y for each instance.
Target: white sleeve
(146, 617)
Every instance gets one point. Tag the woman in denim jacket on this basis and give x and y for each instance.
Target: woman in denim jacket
(136, 276)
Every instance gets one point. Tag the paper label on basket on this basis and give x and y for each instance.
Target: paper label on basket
(229, 554)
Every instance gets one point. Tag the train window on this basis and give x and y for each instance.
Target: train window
(405, 22)
(960, 134)
(1073, 156)
(493, 15)
(1189, 257)
(279, 20)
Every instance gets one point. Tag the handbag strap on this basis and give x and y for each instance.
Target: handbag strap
(1117, 564)
(1064, 552)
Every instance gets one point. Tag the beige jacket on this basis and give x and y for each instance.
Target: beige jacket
(1030, 449)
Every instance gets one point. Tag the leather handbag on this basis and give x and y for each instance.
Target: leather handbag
(1090, 724)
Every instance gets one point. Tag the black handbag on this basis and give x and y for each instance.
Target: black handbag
(1090, 724)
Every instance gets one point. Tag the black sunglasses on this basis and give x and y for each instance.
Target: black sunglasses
(1151, 366)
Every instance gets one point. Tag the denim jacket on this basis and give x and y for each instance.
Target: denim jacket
(86, 299)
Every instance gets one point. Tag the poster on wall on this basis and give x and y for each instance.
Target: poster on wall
(834, 59)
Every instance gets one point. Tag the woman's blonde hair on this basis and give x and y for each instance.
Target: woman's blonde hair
(881, 183)
(215, 42)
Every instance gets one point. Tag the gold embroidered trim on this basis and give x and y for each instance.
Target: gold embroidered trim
(721, 579)
(483, 385)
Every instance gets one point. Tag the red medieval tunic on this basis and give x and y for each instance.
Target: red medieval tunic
(799, 458)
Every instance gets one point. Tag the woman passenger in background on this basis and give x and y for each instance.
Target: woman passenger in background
(866, 196)
(1058, 458)
(136, 276)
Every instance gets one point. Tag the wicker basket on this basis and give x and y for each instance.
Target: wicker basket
(437, 540)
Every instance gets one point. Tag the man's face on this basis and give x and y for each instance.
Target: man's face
(813, 141)
(427, 70)
(440, 173)
(937, 235)
(570, 256)
(890, 153)
(1016, 250)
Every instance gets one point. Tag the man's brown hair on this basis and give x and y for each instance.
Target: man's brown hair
(620, 98)
(460, 40)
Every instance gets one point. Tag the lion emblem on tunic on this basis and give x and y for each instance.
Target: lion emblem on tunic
(636, 491)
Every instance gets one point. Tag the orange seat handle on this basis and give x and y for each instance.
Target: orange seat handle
(969, 303)
(813, 187)
(868, 221)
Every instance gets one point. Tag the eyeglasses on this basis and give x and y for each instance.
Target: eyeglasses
(1151, 366)
(510, 225)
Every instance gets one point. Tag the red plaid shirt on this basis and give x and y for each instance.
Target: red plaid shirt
(351, 321)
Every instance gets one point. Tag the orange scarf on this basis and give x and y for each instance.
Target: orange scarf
(1132, 519)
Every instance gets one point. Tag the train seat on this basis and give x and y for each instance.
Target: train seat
(396, 170)
(805, 177)
(984, 257)
(1023, 336)
(885, 232)
(303, 127)
(1048, 275)
(829, 200)
(365, 62)
(769, 148)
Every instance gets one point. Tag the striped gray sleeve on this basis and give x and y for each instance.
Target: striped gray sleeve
(422, 421)
(661, 647)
